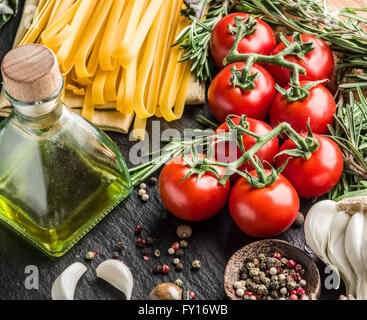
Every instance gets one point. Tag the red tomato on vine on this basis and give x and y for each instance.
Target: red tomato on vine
(227, 99)
(228, 152)
(316, 176)
(319, 108)
(262, 41)
(191, 199)
(264, 212)
(319, 63)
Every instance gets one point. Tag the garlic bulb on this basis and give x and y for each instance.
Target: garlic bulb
(117, 274)
(337, 233)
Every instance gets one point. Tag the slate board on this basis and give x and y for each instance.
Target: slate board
(213, 241)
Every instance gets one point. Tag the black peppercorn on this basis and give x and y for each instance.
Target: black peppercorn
(179, 266)
(157, 269)
(179, 253)
(149, 241)
(153, 181)
(119, 246)
(146, 252)
(116, 255)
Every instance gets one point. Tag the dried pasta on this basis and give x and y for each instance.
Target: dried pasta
(117, 54)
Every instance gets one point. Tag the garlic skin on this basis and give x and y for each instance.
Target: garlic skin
(118, 275)
(337, 233)
(317, 224)
(64, 286)
(353, 245)
(336, 250)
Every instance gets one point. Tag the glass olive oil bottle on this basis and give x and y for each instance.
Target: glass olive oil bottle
(59, 174)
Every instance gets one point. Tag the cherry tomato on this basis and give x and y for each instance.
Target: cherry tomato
(318, 175)
(228, 152)
(263, 41)
(264, 212)
(319, 107)
(319, 63)
(225, 99)
(191, 199)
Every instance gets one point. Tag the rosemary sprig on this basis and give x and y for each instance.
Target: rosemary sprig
(341, 27)
(195, 39)
(350, 134)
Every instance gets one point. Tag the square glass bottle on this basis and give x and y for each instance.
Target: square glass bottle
(59, 174)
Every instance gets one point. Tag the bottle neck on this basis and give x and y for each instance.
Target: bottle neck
(40, 114)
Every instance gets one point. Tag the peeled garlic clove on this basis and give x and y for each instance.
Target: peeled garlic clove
(118, 275)
(65, 284)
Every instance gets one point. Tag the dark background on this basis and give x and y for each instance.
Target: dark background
(213, 241)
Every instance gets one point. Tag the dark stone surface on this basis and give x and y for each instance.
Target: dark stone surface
(213, 242)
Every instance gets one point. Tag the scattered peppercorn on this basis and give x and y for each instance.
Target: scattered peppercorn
(138, 229)
(150, 241)
(165, 269)
(176, 261)
(119, 246)
(145, 197)
(141, 243)
(157, 253)
(184, 244)
(116, 255)
(179, 253)
(157, 269)
(179, 267)
(171, 251)
(184, 231)
(142, 192)
(175, 246)
(143, 186)
(178, 283)
(90, 255)
(192, 295)
(153, 181)
(146, 252)
(196, 264)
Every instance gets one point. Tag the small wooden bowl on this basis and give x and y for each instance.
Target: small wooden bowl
(268, 247)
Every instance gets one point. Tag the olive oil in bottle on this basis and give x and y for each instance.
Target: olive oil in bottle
(59, 174)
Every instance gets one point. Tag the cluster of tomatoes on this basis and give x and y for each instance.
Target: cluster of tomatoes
(268, 211)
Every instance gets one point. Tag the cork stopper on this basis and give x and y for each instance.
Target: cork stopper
(31, 73)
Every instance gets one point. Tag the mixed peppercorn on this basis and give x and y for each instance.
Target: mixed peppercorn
(271, 278)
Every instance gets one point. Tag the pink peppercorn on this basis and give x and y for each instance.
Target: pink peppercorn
(138, 229)
(291, 264)
(298, 268)
(165, 269)
(293, 297)
(175, 246)
(301, 291)
(141, 243)
(293, 276)
(293, 292)
(249, 293)
(277, 255)
(192, 294)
